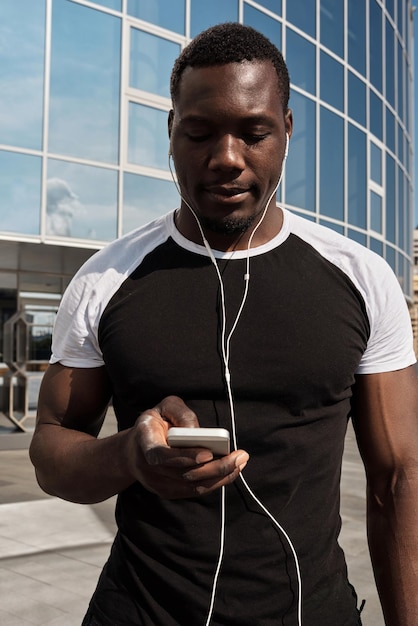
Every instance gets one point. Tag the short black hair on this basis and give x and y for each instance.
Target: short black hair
(230, 42)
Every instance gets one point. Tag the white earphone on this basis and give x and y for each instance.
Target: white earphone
(286, 150)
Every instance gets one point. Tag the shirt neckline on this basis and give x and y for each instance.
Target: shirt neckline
(191, 246)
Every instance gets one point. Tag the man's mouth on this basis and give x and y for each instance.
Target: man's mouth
(227, 193)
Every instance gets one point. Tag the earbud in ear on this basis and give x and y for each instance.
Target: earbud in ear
(286, 151)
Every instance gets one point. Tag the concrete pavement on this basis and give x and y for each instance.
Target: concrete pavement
(52, 552)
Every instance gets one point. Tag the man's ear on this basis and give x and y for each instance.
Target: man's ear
(288, 120)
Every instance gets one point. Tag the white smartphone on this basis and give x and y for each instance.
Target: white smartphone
(216, 439)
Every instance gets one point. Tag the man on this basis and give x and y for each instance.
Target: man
(232, 312)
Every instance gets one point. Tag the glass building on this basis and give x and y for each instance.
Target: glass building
(84, 97)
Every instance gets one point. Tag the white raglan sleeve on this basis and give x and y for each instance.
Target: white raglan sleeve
(75, 335)
(390, 345)
(390, 342)
(75, 341)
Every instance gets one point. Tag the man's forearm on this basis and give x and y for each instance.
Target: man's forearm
(78, 467)
(393, 541)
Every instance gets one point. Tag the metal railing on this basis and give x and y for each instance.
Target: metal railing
(26, 347)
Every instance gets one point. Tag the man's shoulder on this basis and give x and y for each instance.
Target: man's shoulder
(102, 274)
(349, 255)
(123, 254)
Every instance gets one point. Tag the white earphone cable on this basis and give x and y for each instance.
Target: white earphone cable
(225, 344)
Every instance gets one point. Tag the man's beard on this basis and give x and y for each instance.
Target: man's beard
(228, 225)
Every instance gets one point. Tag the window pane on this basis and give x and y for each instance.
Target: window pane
(81, 201)
(110, 4)
(20, 193)
(300, 55)
(376, 115)
(337, 227)
(331, 170)
(356, 99)
(332, 25)
(390, 256)
(404, 144)
(148, 136)
(376, 44)
(357, 181)
(146, 198)
(22, 31)
(375, 164)
(300, 165)
(400, 83)
(85, 67)
(273, 5)
(390, 130)
(302, 13)
(390, 200)
(400, 269)
(357, 35)
(166, 13)
(401, 210)
(332, 81)
(401, 145)
(400, 17)
(306, 216)
(356, 236)
(205, 14)
(390, 64)
(151, 62)
(408, 86)
(268, 26)
(376, 245)
(409, 208)
(390, 8)
(376, 221)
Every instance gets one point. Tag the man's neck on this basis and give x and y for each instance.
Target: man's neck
(263, 232)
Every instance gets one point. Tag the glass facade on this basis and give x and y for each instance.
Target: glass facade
(85, 96)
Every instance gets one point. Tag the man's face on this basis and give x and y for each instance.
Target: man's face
(228, 139)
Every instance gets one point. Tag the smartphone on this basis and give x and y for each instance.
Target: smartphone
(216, 439)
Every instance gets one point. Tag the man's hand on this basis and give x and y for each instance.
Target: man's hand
(73, 464)
(177, 472)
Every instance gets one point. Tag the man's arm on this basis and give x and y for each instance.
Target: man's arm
(73, 464)
(386, 424)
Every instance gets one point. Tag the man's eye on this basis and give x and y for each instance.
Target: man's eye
(255, 137)
(198, 138)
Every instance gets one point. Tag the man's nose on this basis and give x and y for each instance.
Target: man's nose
(227, 154)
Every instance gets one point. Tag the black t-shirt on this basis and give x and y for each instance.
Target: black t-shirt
(302, 335)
